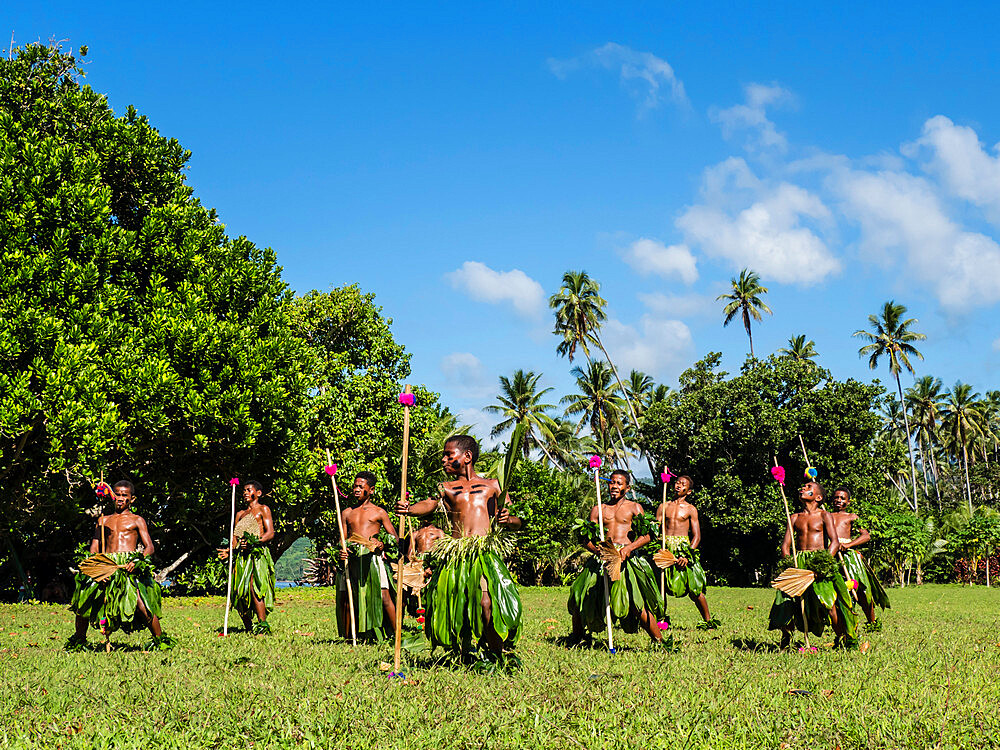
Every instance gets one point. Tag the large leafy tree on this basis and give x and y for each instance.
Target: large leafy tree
(745, 300)
(725, 432)
(891, 338)
(137, 339)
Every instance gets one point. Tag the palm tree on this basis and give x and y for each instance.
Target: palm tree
(963, 423)
(597, 403)
(579, 310)
(745, 300)
(891, 337)
(924, 401)
(563, 445)
(800, 349)
(639, 388)
(520, 402)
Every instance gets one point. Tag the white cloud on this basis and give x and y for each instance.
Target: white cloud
(659, 347)
(649, 256)
(484, 284)
(679, 305)
(481, 424)
(901, 215)
(752, 116)
(996, 345)
(654, 73)
(959, 160)
(465, 373)
(768, 236)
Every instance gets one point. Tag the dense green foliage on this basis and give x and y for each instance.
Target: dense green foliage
(290, 565)
(926, 681)
(726, 432)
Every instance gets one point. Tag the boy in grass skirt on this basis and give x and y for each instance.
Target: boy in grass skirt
(129, 599)
(368, 575)
(686, 577)
(869, 589)
(473, 607)
(253, 567)
(635, 596)
(827, 600)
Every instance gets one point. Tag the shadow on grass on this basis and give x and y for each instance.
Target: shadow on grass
(754, 645)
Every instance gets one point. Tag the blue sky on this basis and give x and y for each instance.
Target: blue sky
(456, 159)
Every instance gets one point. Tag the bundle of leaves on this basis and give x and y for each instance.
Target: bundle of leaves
(500, 541)
(819, 562)
(585, 531)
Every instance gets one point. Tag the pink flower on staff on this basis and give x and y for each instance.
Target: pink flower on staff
(666, 476)
(663, 625)
(234, 481)
(778, 472)
(595, 462)
(852, 585)
(331, 469)
(407, 399)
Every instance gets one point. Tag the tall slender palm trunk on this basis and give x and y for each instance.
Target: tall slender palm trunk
(909, 443)
(968, 485)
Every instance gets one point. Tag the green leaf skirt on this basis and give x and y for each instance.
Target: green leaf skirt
(689, 580)
(453, 603)
(366, 572)
(117, 599)
(868, 584)
(253, 575)
(820, 598)
(636, 590)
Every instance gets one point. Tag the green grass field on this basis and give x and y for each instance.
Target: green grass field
(929, 679)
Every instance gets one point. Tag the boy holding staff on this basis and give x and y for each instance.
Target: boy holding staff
(472, 601)
(869, 591)
(253, 569)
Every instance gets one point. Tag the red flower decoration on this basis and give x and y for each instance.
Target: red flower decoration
(778, 472)
(595, 462)
(331, 469)
(666, 476)
(407, 399)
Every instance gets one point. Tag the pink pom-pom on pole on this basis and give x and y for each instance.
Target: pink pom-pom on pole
(778, 472)
(666, 476)
(407, 399)
(595, 462)
(331, 469)
(234, 481)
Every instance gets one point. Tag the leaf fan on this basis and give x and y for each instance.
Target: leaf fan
(612, 558)
(99, 567)
(363, 541)
(794, 581)
(249, 524)
(664, 558)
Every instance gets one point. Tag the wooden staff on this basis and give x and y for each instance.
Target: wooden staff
(331, 470)
(229, 576)
(663, 528)
(795, 554)
(401, 533)
(600, 529)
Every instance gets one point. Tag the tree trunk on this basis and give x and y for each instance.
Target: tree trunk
(162, 574)
(968, 486)
(923, 470)
(937, 477)
(909, 444)
(628, 401)
(746, 324)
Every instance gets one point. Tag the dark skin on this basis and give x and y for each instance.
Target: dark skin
(844, 522)
(682, 520)
(366, 520)
(617, 514)
(814, 529)
(471, 502)
(122, 531)
(251, 496)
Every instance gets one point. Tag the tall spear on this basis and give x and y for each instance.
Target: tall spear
(407, 399)
(665, 477)
(595, 464)
(331, 469)
(229, 576)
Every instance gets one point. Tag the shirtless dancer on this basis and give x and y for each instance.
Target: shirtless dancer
(254, 593)
(815, 535)
(376, 617)
(687, 577)
(870, 591)
(130, 599)
(475, 509)
(586, 601)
